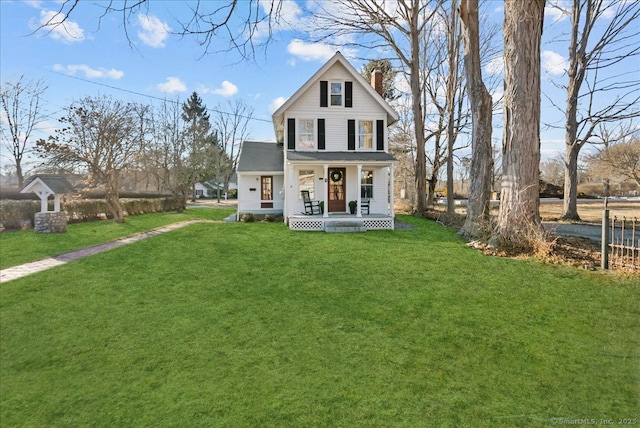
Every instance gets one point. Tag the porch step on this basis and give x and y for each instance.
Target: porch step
(345, 226)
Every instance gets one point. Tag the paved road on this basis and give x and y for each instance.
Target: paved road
(583, 230)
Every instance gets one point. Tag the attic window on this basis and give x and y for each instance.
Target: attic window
(336, 93)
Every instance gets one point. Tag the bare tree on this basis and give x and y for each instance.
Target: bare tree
(445, 91)
(552, 170)
(101, 135)
(592, 51)
(621, 161)
(519, 216)
(619, 156)
(167, 151)
(477, 221)
(231, 124)
(453, 79)
(239, 25)
(21, 114)
(397, 27)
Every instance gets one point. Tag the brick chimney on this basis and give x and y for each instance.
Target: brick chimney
(376, 80)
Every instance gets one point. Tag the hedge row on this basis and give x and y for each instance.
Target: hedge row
(13, 193)
(14, 213)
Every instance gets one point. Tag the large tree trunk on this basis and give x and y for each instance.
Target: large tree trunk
(570, 202)
(112, 188)
(416, 107)
(519, 218)
(451, 96)
(575, 75)
(477, 221)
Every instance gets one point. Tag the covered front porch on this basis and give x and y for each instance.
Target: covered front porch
(343, 187)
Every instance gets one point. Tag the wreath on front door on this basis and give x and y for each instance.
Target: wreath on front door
(336, 176)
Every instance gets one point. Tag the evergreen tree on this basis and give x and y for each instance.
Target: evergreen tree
(388, 77)
(202, 146)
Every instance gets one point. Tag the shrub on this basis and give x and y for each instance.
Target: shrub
(14, 212)
(248, 218)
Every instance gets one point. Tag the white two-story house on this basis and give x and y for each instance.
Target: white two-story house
(332, 137)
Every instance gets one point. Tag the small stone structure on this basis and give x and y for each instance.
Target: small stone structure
(51, 222)
(44, 186)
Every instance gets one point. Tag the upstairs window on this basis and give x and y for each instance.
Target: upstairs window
(306, 137)
(365, 134)
(336, 93)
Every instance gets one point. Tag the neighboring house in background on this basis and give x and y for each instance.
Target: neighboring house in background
(209, 188)
(332, 141)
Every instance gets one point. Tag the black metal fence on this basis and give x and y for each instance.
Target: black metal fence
(624, 243)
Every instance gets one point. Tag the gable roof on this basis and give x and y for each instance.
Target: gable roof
(278, 115)
(57, 184)
(258, 156)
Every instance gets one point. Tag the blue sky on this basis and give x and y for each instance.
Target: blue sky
(89, 56)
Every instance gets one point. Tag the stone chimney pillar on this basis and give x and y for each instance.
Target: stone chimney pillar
(376, 80)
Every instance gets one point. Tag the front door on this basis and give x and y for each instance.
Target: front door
(336, 196)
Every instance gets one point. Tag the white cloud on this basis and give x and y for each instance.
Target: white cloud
(276, 104)
(495, 66)
(310, 51)
(226, 90)
(289, 17)
(154, 32)
(173, 84)
(557, 11)
(89, 73)
(553, 63)
(58, 28)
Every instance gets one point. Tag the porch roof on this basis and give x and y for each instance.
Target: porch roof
(352, 157)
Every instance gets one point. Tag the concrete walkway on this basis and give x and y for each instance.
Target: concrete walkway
(19, 271)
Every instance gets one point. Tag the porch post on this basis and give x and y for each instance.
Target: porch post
(325, 191)
(358, 195)
(44, 196)
(56, 203)
(392, 211)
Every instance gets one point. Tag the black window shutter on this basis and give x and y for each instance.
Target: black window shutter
(321, 137)
(348, 94)
(291, 134)
(351, 134)
(324, 93)
(380, 135)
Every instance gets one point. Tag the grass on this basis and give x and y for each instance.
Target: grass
(26, 246)
(255, 325)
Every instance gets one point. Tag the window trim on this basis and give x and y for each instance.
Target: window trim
(331, 93)
(313, 183)
(263, 179)
(362, 177)
(373, 135)
(314, 134)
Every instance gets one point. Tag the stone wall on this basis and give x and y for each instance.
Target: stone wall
(51, 222)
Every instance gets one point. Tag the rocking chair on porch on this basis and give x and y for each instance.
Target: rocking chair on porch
(310, 207)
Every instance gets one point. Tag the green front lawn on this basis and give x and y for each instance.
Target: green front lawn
(28, 246)
(255, 325)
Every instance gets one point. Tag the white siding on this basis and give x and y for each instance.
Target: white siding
(249, 201)
(365, 107)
